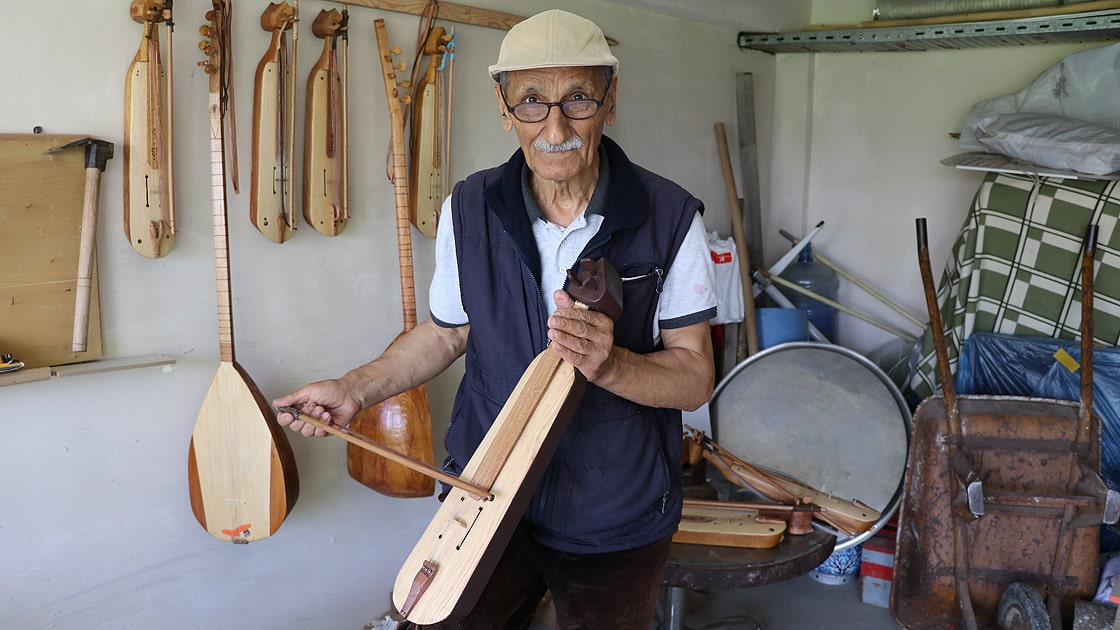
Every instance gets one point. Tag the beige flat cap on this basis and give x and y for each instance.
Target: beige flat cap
(553, 39)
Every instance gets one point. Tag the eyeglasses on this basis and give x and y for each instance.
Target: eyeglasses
(575, 109)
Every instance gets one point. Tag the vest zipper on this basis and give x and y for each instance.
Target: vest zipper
(660, 278)
(536, 280)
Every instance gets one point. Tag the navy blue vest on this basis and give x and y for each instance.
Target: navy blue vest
(614, 481)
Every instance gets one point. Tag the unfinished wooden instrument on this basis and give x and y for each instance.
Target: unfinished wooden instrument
(241, 470)
(149, 214)
(728, 527)
(324, 143)
(455, 557)
(425, 175)
(403, 422)
(848, 516)
(271, 199)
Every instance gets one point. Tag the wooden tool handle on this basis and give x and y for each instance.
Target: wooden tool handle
(85, 259)
(937, 329)
(1084, 427)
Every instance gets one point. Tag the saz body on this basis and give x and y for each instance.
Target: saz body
(403, 422)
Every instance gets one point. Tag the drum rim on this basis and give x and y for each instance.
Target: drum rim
(842, 540)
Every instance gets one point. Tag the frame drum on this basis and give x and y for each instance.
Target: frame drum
(822, 414)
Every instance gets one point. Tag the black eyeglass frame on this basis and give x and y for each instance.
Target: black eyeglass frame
(512, 109)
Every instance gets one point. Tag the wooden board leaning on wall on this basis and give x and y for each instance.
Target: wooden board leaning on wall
(40, 229)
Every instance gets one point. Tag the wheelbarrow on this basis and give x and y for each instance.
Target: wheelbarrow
(1002, 498)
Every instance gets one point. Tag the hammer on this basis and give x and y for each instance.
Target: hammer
(98, 152)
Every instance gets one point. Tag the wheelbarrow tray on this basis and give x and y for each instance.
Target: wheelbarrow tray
(1024, 450)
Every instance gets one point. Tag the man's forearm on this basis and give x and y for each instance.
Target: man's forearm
(413, 359)
(674, 378)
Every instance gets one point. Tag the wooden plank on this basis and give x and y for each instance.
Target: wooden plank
(112, 365)
(986, 16)
(452, 12)
(25, 375)
(40, 230)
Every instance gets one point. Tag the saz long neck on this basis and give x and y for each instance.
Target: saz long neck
(221, 236)
(400, 178)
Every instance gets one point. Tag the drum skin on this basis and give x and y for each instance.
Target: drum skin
(822, 414)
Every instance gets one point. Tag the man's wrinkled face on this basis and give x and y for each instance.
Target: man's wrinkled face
(558, 148)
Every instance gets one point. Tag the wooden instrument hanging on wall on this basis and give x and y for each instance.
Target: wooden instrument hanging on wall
(149, 213)
(455, 556)
(271, 199)
(324, 141)
(241, 470)
(403, 422)
(425, 175)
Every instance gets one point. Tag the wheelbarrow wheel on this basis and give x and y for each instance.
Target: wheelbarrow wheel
(1022, 608)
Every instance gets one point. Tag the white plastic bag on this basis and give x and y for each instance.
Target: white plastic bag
(1084, 85)
(729, 284)
(1053, 141)
(1109, 572)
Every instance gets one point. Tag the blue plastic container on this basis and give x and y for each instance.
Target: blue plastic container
(781, 325)
(820, 279)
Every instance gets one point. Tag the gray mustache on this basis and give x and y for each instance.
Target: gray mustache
(571, 144)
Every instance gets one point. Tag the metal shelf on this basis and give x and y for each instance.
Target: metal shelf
(1091, 26)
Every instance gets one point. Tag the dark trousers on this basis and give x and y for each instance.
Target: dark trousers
(616, 590)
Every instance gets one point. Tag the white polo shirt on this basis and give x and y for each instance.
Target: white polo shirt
(687, 297)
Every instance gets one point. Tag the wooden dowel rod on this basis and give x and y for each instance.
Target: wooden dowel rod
(985, 16)
(411, 463)
(452, 12)
(748, 338)
(751, 506)
(859, 283)
(838, 306)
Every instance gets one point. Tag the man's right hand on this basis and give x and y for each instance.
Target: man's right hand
(329, 401)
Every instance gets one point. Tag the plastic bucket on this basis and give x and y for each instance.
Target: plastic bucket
(781, 325)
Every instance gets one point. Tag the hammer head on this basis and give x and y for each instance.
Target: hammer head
(98, 152)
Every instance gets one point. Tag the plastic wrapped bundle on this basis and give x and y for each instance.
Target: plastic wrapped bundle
(1012, 365)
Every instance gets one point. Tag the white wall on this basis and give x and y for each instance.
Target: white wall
(857, 142)
(95, 524)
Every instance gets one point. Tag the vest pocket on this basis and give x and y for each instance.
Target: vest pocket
(641, 274)
(610, 478)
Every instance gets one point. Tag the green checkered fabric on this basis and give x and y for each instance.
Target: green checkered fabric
(1016, 265)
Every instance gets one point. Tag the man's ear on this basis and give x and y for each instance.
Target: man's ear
(613, 91)
(507, 124)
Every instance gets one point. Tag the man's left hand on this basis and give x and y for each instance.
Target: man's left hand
(581, 337)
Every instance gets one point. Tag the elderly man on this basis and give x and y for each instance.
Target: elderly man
(598, 530)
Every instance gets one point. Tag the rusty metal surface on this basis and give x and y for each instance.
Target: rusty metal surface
(1024, 450)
